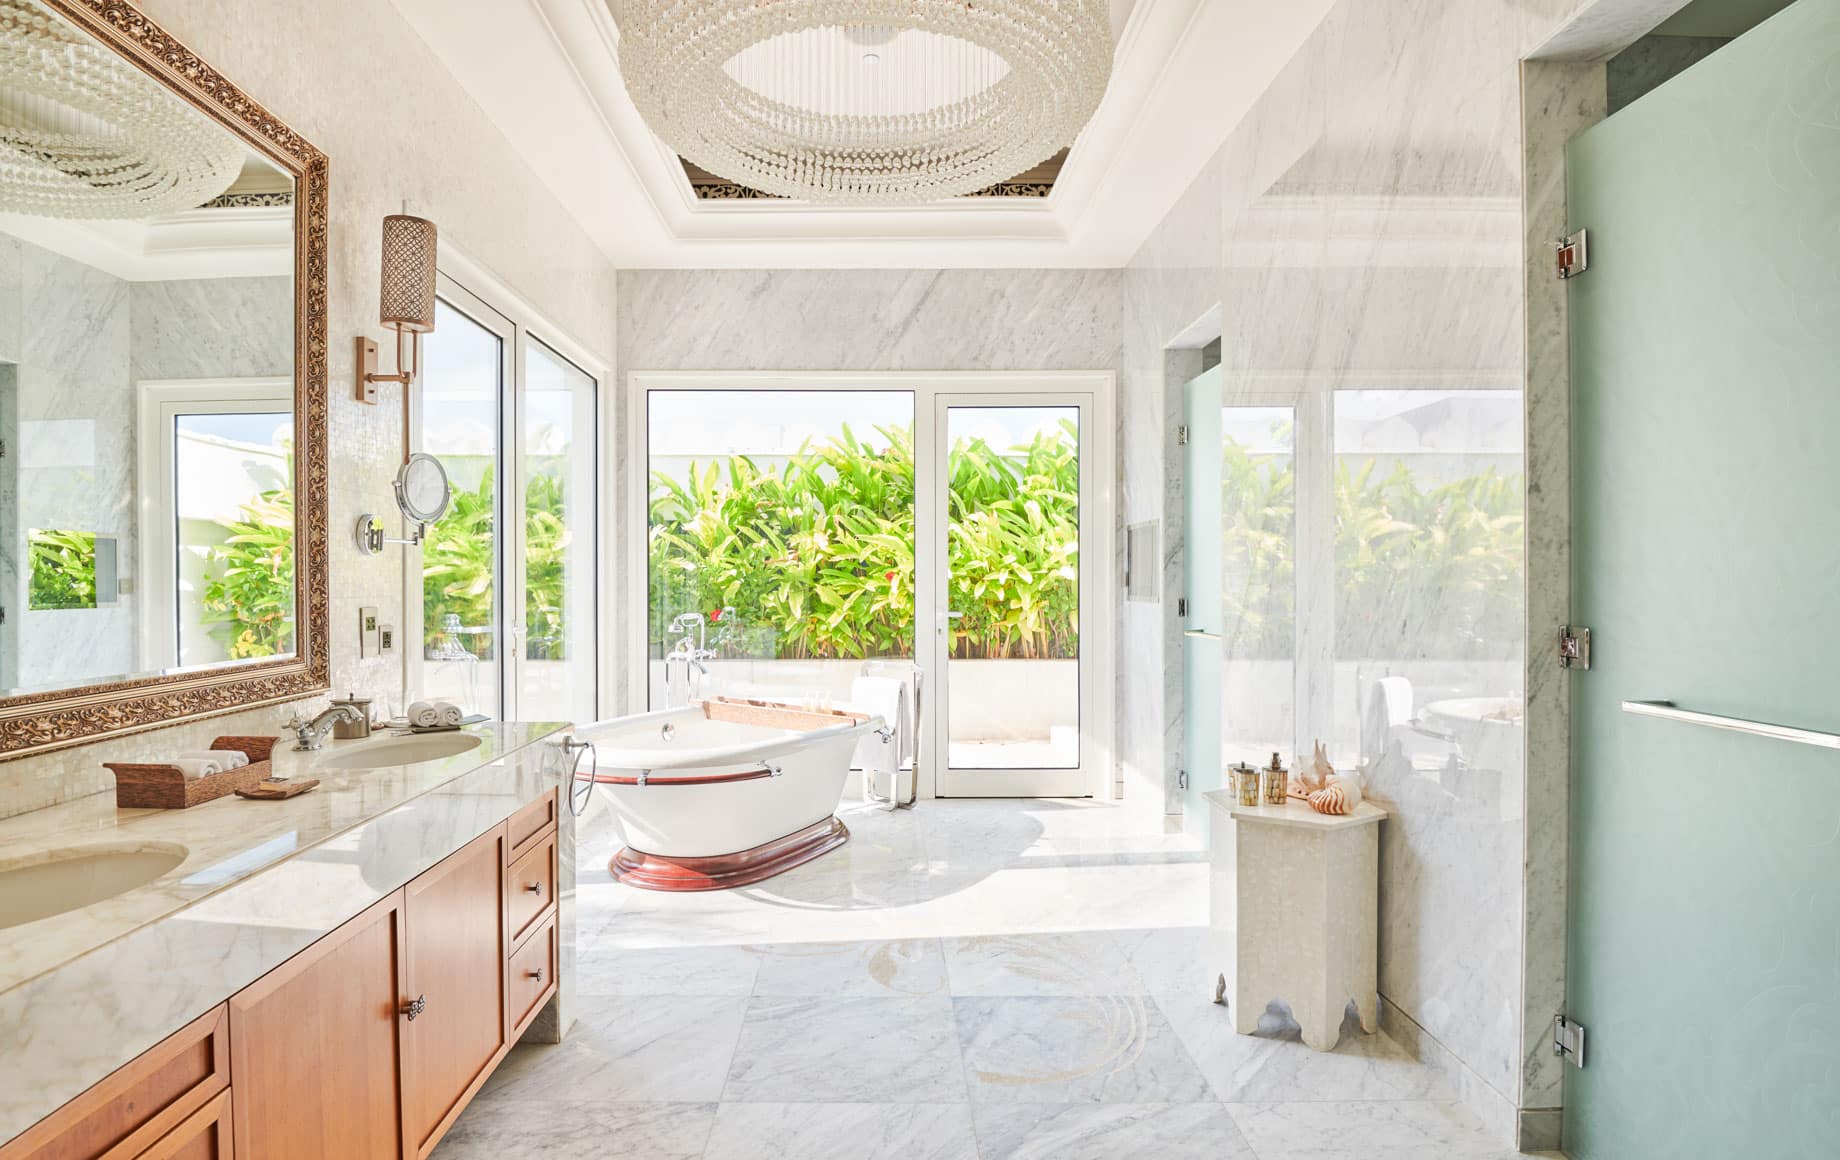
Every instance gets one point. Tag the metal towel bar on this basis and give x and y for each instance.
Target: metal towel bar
(1668, 711)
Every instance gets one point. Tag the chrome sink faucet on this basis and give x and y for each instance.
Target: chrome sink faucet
(311, 735)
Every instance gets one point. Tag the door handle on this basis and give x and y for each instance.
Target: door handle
(1201, 634)
(534, 888)
(415, 1007)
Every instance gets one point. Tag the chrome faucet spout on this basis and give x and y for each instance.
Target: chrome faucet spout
(311, 735)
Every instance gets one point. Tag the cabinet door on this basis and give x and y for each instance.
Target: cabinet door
(456, 941)
(314, 1047)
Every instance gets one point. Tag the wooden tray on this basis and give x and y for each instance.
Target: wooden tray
(775, 715)
(150, 785)
(278, 791)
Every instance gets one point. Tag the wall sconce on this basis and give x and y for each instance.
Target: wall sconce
(406, 301)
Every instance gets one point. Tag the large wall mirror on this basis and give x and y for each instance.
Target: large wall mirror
(162, 385)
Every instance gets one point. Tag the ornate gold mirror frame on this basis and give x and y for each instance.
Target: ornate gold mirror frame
(38, 722)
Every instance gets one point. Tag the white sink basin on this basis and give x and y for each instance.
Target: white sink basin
(399, 751)
(53, 882)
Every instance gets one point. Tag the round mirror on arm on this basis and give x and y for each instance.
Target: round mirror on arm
(422, 490)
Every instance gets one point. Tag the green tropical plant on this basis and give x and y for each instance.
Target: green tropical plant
(248, 592)
(458, 559)
(62, 569)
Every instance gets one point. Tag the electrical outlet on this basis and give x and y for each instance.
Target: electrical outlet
(386, 640)
(367, 632)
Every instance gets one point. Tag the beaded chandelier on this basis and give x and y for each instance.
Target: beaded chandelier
(866, 102)
(85, 134)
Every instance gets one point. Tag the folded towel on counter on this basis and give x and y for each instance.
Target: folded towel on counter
(225, 758)
(196, 767)
(434, 715)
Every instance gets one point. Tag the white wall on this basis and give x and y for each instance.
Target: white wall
(355, 80)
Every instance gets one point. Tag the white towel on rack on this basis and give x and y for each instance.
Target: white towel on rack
(196, 767)
(887, 698)
(450, 713)
(424, 714)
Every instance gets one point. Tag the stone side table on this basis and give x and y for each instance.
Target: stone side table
(1295, 896)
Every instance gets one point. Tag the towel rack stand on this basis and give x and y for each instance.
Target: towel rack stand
(1668, 711)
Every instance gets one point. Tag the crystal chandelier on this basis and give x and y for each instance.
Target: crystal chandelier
(866, 101)
(85, 134)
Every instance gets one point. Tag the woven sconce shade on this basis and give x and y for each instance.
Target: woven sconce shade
(408, 273)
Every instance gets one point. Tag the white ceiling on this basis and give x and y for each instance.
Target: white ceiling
(547, 74)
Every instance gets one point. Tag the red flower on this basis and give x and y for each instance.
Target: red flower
(716, 617)
(889, 576)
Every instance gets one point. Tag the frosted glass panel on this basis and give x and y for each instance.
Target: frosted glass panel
(1705, 879)
(1203, 642)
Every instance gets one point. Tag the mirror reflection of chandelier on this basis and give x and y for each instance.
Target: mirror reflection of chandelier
(866, 101)
(85, 134)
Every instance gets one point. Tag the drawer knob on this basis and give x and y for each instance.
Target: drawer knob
(534, 888)
(536, 974)
(415, 1007)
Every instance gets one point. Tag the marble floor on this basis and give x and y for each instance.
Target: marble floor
(963, 980)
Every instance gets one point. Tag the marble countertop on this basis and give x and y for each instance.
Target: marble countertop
(227, 840)
(1295, 812)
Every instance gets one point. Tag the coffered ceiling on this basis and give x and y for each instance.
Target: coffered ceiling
(547, 73)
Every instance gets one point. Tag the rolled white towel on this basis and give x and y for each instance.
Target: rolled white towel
(225, 758)
(450, 713)
(196, 767)
(424, 714)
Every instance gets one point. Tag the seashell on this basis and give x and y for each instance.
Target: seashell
(1311, 774)
(1333, 800)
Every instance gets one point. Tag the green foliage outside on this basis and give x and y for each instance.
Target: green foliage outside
(248, 595)
(1422, 570)
(62, 568)
(457, 565)
(816, 558)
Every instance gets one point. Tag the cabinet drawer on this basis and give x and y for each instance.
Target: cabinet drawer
(530, 888)
(132, 1109)
(205, 1136)
(528, 824)
(530, 979)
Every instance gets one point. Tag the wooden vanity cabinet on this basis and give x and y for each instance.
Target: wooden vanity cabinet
(456, 970)
(315, 1046)
(366, 1045)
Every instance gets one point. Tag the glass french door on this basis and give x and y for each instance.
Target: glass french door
(507, 599)
(1014, 508)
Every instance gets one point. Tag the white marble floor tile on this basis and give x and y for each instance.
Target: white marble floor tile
(867, 1131)
(701, 970)
(1177, 960)
(578, 1130)
(637, 1048)
(1364, 1130)
(1202, 1131)
(1077, 963)
(842, 970)
(850, 1050)
(1275, 1065)
(1099, 1048)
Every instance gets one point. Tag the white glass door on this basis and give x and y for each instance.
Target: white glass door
(1012, 589)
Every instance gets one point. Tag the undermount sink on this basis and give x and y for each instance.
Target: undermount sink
(55, 881)
(399, 751)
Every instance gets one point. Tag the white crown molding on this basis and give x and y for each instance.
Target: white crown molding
(240, 242)
(546, 73)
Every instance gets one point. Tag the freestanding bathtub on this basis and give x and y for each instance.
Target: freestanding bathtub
(724, 793)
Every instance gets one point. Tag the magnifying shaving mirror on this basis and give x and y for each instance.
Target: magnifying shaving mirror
(422, 492)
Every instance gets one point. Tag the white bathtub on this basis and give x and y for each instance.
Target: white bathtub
(706, 804)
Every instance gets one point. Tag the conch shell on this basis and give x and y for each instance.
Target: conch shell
(1311, 775)
(1340, 796)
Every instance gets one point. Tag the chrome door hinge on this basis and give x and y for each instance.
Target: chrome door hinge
(1568, 1040)
(1574, 254)
(1181, 606)
(1181, 779)
(1182, 435)
(1574, 646)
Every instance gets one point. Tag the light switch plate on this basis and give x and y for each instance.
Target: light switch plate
(386, 640)
(367, 631)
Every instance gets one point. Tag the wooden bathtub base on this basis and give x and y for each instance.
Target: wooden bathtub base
(726, 871)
